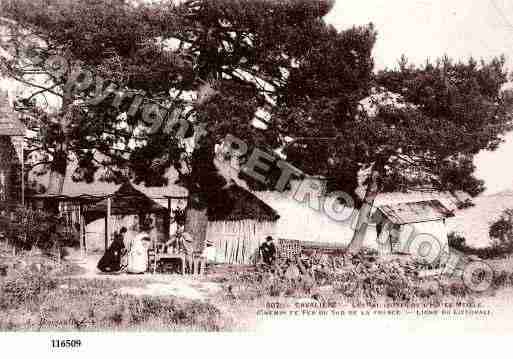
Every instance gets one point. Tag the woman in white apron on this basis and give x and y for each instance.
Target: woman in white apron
(137, 256)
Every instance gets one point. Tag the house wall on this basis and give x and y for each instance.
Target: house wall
(298, 221)
(236, 242)
(423, 240)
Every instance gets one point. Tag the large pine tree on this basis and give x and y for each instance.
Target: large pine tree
(221, 66)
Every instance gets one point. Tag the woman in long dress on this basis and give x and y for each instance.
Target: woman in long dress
(137, 257)
(111, 260)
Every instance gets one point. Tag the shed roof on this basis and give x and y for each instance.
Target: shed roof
(98, 190)
(128, 200)
(236, 204)
(416, 212)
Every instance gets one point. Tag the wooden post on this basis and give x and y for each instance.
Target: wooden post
(107, 223)
(23, 173)
(84, 233)
(168, 220)
(81, 229)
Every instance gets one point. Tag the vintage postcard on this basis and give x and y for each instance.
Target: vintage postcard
(255, 166)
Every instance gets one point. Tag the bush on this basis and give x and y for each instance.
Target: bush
(501, 279)
(495, 250)
(501, 231)
(368, 281)
(456, 241)
(32, 301)
(253, 285)
(25, 288)
(26, 228)
(172, 311)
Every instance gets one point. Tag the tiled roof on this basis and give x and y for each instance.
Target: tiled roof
(237, 204)
(452, 201)
(102, 189)
(415, 212)
(126, 200)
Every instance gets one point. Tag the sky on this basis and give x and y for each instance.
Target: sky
(431, 28)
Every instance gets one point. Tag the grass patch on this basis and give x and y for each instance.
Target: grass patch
(36, 301)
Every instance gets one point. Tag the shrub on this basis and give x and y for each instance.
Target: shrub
(495, 250)
(457, 289)
(456, 241)
(44, 304)
(368, 281)
(26, 227)
(253, 285)
(172, 311)
(501, 279)
(501, 231)
(24, 288)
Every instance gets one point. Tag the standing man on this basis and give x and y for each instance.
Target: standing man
(268, 251)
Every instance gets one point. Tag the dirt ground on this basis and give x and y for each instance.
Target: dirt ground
(189, 287)
(202, 288)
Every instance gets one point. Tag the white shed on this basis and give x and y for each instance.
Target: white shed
(416, 228)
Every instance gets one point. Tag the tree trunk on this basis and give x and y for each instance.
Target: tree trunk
(365, 211)
(196, 222)
(58, 170)
(60, 158)
(56, 182)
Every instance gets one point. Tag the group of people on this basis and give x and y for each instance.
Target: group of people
(132, 255)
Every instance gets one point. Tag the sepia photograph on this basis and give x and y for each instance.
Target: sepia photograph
(255, 166)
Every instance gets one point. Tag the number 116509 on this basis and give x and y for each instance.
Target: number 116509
(66, 343)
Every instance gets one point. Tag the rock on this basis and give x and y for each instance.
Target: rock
(3, 270)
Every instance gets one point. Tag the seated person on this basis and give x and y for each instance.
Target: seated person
(137, 256)
(111, 260)
(180, 243)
